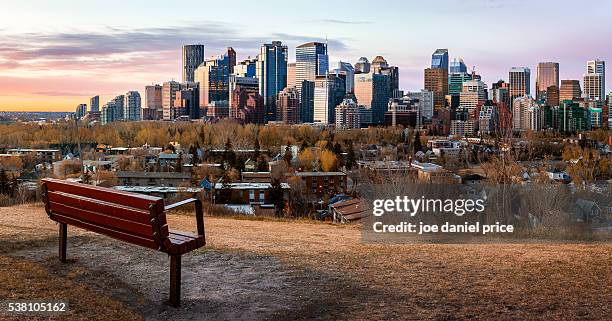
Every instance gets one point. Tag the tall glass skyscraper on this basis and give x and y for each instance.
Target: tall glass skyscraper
(193, 56)
(457, 66)
(598, 67)
(310, 61)
(439, 59)
(272, 74)
(132, 106)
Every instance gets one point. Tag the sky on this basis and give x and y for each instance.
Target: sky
(56, 54)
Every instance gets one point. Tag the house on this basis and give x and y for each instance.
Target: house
(246, 193)
(322, 183)
(41, 155)
(587, 210)
(433, 173)
(348, 210)
(559, 176)
(162, 179)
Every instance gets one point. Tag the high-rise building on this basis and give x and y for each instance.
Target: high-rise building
(552, 96)
(81, 111)
(425, 101)
(520, 112)
(94, 104)
(288, 106)
(187, 104)
(455, 82)
(472, 95)
(362, 66)
(436, 81)
(547, 74)
(246, 68)
(213, 78)
(169, 89)
(291, 75)
(457, 66)
(328, 93)
(346, 69)
(153, 101)
(372, 91)
(439, 59)
(119, 103)
(488, 119)
(347, 115)
(193, 56)
(272, 74)
(570, 90)
(132, 106)
(380, 66)
(592, 85)
(520, 82)
(310, 61)
(243, 84)
(598, 67)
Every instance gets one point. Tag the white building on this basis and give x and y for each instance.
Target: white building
(347, 115)
(520, 112)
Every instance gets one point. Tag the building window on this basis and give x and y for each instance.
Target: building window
(262, 197)
(251, 196)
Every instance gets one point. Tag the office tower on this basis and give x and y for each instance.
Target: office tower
(248, 107)
(108, 113)
(132, 106)
(372, 91)
(362, 66)
(153, 101)
(570, 90)
(403, 111)
(592, 85)
(380, 66)
(94, 104)
(346, 69)
(500, 93)
(291, 75)
(187, 104)
(169, 89)
(425, 103)
(547, 74)
(552, 96)
(436, 81)
(288, 106)
(570, 117)
(272, 74)
(240, 85)
(310, 61)
(81, 111)
(328, 93)
(520, 112)
(457, 66)
(246, 68)
(193, 56)
(439, 59)
(488, 119)
(347, 115)
(231, 59)
(119, 103)
(472, 95)
(520, 82)
(455, 82)
(535, 118)
(213, 76)
(598, 67)
(306, 91)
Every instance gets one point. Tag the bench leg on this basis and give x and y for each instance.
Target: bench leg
(63, 235)
(175, 280)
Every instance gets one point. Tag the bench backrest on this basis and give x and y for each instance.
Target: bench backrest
(134, 218)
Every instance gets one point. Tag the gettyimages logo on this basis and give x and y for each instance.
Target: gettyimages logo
(412, 207)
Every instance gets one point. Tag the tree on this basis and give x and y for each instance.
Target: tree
(350, 157)
(303, 146)
(329, 161)
(417, 146)
(262, 164)
(229, 156)
(288, 157)
(257, 148)
(277, 197)
(306, 160)
(5, 184)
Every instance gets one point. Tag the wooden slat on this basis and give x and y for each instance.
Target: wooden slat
(99, 219)
(106, 231)
(110, 195)
(100, 206)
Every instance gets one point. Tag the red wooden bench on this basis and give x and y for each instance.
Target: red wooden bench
(133, 218)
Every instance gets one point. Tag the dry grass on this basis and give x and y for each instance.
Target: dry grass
(414, 282)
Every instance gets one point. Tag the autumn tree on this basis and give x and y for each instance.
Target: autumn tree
(329, 161)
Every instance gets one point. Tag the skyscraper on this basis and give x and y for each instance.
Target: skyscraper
(169, 89)
(570, 89)
(213, 78)
(592, 85)
(436, 81)
(380, 66)
(520, 112)
(362, 66)
(598, 67)
(457, 66)
(372, 91)
(328, 93)
(291, 75)
(193, 56)
(310, 61)
(81, 111)
(547, 74)
(288, 106)
(94, 104)
(272, 74)
(246, 68)
(153, 100)
(439, 59)
(132, 106)
(520, 82)
(347, 69)
(187, 103)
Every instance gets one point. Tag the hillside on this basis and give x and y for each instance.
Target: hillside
(255, 270)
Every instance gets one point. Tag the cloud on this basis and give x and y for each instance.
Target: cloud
(345, 22)
(58, 93)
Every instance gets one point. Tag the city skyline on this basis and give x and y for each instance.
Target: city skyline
(67, 54)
